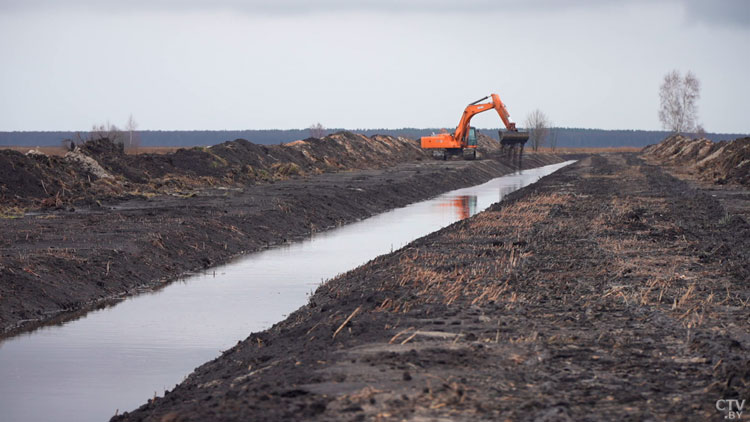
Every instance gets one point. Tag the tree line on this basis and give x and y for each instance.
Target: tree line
(565, 137)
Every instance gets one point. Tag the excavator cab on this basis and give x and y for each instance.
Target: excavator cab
(470, 152)
(472, 138)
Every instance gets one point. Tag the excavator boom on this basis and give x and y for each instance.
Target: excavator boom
(473, 109)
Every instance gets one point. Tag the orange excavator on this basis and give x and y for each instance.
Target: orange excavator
(464, 140)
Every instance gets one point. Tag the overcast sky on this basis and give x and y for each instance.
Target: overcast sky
(252, 64)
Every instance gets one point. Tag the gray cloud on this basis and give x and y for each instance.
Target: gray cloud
(721, 12)
(295, 6)
(716, 12)
(724, 12)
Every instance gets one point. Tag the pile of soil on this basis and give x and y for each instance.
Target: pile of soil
(41, 180)
(241, 161)
(37, 179)
(609, 289)
(719, 162)
(487, 144)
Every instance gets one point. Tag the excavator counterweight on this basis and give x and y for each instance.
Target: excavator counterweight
(464, 139)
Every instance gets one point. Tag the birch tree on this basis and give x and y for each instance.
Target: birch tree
(537, 124)
(678, 111)
(317, 130)
(134, 139)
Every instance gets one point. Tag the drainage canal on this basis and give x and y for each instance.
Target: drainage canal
(116, 358)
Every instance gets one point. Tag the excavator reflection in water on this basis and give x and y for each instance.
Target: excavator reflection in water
(464, 206)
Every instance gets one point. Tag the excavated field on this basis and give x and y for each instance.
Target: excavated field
(98, 240)
(607, 291)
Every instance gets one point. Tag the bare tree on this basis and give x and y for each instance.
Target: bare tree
(678, 111)
(106, 131)
(537, 124)
(134, 139)
(317, 130)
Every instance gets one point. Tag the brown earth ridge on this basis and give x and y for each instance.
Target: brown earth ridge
(91, 228)
(718, 162)
(609, 290)
(101, 169)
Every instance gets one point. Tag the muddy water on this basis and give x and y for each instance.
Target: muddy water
(117, 358)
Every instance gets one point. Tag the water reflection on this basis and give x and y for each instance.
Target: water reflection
(505, 190)
(119, 357)
(464, 206)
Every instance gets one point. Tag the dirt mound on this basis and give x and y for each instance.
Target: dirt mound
(487, 143)
(48, 180)
(719, 162)
(27, 179)
(241, 161)
(19, 174)
(88, 163)
(344, 150)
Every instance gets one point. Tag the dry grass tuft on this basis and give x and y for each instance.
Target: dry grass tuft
(495, 238)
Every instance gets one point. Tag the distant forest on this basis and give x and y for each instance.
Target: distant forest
(566, 137)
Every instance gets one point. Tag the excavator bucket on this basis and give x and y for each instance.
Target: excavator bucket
(513, 138)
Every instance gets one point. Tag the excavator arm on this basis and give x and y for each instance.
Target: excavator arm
(457, 140)
(473, 109)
